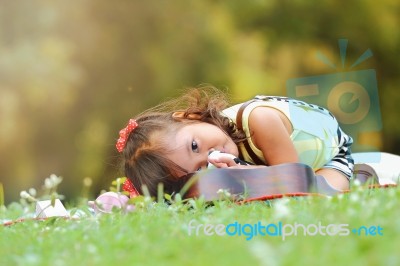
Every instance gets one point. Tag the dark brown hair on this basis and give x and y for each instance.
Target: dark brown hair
(145, 162)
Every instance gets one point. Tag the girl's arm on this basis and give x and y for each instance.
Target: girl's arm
(270, 132)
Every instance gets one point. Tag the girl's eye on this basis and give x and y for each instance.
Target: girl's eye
(195, 147)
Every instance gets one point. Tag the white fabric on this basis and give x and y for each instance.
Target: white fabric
(386, 165)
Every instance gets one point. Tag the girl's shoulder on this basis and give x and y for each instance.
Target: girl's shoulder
(277, 102)
(283, 104)
(300, 113)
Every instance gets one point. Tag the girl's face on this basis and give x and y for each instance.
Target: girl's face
(192, 143)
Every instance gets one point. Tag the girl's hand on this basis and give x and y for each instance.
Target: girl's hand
(223, 160)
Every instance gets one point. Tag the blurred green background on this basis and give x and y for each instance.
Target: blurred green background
(73, 72)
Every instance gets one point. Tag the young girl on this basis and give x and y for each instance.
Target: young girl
(175, 138)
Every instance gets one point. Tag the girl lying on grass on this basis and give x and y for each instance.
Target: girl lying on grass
(175, 138)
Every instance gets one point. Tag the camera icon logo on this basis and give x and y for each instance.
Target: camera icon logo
(359, 98)
(351, 96)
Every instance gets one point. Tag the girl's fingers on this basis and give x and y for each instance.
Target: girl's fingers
(223, 160)
(220, 159)
(219, 165)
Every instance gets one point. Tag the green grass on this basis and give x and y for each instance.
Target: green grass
(157, 234)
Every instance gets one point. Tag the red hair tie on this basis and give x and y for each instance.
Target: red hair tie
(124, 134)
(129, 187)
